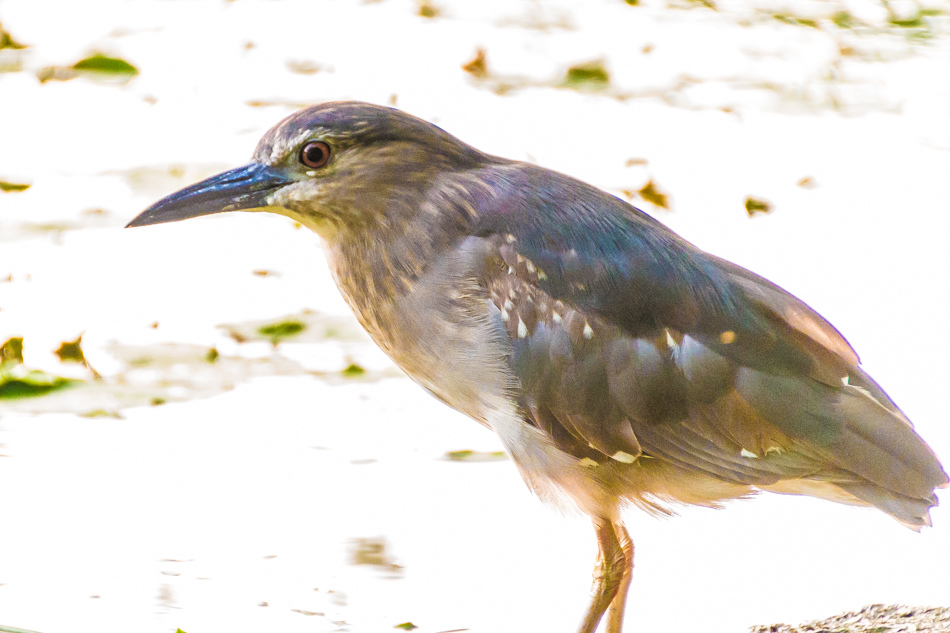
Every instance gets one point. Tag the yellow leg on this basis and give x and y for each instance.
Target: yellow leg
(610, 575)
(619, 603)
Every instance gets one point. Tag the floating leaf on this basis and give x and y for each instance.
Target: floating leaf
(370, 551)
(754, 206)
(12, 186)
(589, 75)
(406, 626)
(101, 413)
(428, 10)
(652, 194)
(476, 456)
(71, 352)
(908, 23)
(353, 371)
(844, 20)
(795, 20)
(30, 384)
(303, 67)
(12, 351)
(477, 66)
(96, 67)
(100, 64)
(807, 183)
(7, 41)
(212, 355)
(277, 332)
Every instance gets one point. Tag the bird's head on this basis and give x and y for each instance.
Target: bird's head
(335, 167)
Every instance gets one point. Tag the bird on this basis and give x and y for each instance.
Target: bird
(619, 364)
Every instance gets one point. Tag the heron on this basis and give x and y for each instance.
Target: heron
(619, 364)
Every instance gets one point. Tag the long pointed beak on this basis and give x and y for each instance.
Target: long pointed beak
(243, 188)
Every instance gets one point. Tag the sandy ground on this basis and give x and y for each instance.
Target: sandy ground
(270, 490)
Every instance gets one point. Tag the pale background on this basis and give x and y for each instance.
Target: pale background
(261, 475)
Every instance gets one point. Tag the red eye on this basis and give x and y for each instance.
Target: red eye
(315, 155)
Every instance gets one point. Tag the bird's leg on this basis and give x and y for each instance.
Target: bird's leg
(609, 573)
(619, 603)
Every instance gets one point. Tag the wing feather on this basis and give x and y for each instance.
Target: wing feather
(629, 341)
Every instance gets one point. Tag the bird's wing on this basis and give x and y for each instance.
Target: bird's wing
(627, 340)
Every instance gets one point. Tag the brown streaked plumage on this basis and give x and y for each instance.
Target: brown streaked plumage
(618, 363)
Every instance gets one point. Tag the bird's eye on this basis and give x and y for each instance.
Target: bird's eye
(315, 155)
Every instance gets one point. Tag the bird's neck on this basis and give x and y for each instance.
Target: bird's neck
(379, 266)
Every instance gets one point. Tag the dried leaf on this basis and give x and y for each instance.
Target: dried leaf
(477, 67)
(654, 195)
(71, 352)
(754, 206)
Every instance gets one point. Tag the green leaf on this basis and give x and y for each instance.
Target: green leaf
(475, 456)
(29, 384)
(754, 206)
(844, 20)
(792, 19)
(12, 186)
(12, 351)
(277, 332)
(353, 371)
(428, 10)
(101, 413)
(7, 41)
(589, 75)
(100, 64)
(406, 626)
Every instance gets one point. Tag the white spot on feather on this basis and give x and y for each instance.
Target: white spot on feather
(670, 341)
(625, 458)
(555, 317)
(587, 462)
(748, 453)
(522, 329)
(588, 331)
